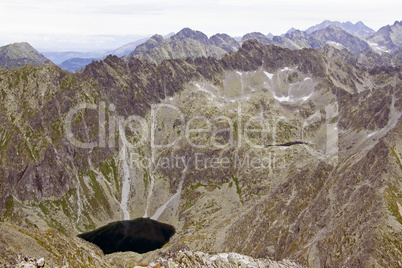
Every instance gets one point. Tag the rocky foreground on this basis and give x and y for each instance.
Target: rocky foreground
(23, 247)
(185, 259)
(227, 260)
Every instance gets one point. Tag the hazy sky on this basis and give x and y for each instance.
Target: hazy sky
(98, 24)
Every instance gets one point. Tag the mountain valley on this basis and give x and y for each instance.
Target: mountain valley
(281, 151)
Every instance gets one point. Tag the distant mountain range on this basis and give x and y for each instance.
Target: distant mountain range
(331, 35)
(59, 57)
(127, 49)
(75, 64)
(189, 43)
(352, 37)
(73, 60)
(357, 38)
(358, 29)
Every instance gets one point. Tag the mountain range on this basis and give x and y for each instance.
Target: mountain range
(256, 154)
(358, 29)
(73, 61)
(356, 38)
(186, 43)
(193, 44)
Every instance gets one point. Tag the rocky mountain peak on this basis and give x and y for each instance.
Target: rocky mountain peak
(333, 28)
(189, 33)
(252, 44)
(153, 41)
(257, 36)
(359, 29)
(224, 37)
(21, 45)
(388, 38)
(224, 41)
(185, 44)
(338, 37)
(295, 34)
(19, 54)
(291, 30)
(398, 23)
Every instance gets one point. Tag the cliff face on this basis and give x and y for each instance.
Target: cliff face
(388, 38)
(267, 152)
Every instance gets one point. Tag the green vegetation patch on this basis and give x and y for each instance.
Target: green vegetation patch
(238, 189)
(393, 207)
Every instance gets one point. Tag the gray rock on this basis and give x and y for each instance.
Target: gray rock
(41, 262)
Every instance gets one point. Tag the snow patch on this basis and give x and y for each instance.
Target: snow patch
(223, 255)
(377, 47)
(282, 99)
(291, 99)
(336, 45)
(269, 75)
(212, 95)
(125, 188)
(307, 97)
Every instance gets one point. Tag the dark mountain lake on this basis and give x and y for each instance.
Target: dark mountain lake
(140, 235)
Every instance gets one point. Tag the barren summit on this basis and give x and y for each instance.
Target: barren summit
(19, 54)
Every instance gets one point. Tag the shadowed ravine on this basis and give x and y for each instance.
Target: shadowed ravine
(140, 235)
(287, 144)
